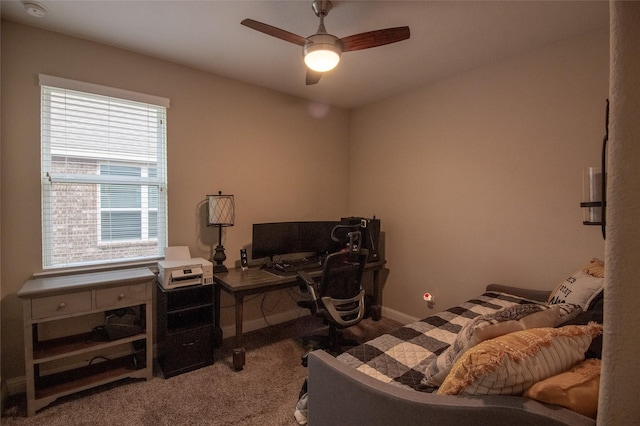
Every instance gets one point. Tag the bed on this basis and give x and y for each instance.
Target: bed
(383, 381)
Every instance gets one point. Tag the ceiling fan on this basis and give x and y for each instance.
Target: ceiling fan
(322, 50)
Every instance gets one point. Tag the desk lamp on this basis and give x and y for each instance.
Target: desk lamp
(221, 213)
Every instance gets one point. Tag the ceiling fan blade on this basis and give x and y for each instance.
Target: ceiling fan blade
(313, 77)
(274, 32)
(374, 38)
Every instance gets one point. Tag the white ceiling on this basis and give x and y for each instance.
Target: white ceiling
(447, 37)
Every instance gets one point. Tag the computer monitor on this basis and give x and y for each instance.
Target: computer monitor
(315, 237)
(272, 239)
(278, 238)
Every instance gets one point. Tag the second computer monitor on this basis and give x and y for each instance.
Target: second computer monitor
(279, 238)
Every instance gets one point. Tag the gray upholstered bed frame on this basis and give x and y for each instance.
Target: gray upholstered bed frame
(341, 395)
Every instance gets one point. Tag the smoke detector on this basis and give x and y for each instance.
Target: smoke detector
(35, 9)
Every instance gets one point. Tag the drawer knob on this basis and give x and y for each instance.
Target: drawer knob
(121, 296)
(62, 305)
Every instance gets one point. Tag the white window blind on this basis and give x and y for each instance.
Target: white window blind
(104, 180)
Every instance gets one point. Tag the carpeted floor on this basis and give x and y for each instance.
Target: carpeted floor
(263, 393)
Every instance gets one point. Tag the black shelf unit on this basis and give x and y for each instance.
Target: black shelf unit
(185, 328)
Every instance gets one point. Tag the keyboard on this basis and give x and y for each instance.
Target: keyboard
(291, 267)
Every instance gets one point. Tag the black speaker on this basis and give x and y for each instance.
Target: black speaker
(370, 230)
(243, 259)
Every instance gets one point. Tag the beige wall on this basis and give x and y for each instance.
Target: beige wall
(266, 148)
(478, 178)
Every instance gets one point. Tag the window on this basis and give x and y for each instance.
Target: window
(128, 212)
(104, 186)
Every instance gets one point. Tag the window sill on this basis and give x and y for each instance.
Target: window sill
(151, 264)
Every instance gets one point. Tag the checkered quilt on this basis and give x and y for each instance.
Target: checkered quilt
(401, 356)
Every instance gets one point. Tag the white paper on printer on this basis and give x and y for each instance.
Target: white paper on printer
(177, 253)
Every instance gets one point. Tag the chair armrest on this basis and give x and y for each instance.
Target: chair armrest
(306, 279)
(527, 293)
(313, 292)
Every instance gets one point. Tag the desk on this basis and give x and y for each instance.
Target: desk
(241, 283)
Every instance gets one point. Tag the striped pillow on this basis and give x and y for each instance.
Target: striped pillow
(509, 364)
(505, 321)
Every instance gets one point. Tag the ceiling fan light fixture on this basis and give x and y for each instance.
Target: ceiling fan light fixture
(322, 60)
(322, 52)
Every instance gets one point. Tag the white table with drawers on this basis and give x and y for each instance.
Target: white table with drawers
(80, 360)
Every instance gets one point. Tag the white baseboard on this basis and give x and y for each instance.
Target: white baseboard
(257, 324)
(398, 316)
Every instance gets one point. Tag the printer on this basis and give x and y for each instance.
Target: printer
(184, 272)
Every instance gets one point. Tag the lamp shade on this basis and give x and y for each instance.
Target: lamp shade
(221, 209)
(322, 53)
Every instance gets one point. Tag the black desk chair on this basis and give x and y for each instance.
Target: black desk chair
(338, 297)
